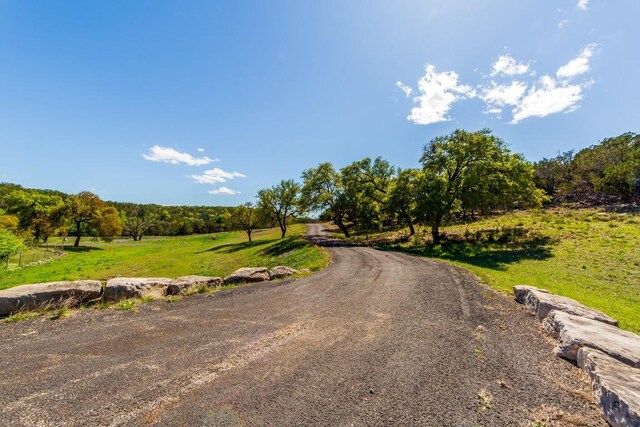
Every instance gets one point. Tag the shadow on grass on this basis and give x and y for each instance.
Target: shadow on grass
(495, 256)
(235, 247)
(285, 245)
(81, 249)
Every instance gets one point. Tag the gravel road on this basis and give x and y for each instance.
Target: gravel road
(375, 339)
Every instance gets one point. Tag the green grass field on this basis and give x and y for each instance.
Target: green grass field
(590, 255)
(212, 255)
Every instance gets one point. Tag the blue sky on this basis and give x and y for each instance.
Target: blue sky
(186, 102)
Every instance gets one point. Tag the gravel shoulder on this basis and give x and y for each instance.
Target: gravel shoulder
(377, 338)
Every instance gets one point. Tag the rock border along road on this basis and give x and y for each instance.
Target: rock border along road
(377, 338)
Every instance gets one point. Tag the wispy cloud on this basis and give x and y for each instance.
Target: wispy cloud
(215, 176)
(508, 66)
(200, 150)
(563, 23)
(169, 155)
(437, 93)
(406, 89)
(582, 4)
(578, 65)
(223, 191)
(547, 98)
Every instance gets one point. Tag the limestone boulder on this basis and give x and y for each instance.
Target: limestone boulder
(248, 275)
(575, 332)
(130, 287)
(184, 283)
(38, 295)
(541, 302)
(281, 272)
(616, 387)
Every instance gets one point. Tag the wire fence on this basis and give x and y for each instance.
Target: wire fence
(29, 257)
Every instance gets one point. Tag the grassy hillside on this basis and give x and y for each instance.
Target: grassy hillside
(213, 254)
(589, 255)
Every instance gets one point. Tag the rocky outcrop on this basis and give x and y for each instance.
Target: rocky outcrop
(541, 302)
(129, 287)
(31, 297)
(616, 387)
(281, 271)
(248, 275)
(184, 283)
(575, 332)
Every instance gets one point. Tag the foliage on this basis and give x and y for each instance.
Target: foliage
(281, 202)
(88, 214)
(472, 171)
(36, 212)
(610, 168)
(323, 190)
(9, 243)
(137, 220)
(246, 218)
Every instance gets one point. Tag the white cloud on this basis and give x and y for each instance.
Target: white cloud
(508, 66)
(201, 150)
(215, 175)
(578, 65)
(224, 191)
(563, 23)
(582, 4)
(438, 91)
(500, 95)
(406, 89)
(169, 155)
(547, 98)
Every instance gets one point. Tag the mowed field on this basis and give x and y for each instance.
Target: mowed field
(590, 255)
(211, 255)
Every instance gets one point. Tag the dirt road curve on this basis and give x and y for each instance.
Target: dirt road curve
(375, 339)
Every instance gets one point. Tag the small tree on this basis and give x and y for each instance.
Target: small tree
(402, 196)
(323, 190)
(86, 211)
(281, 202)
(463, 165)
(137, 221)
(9, 243)
(246, 218)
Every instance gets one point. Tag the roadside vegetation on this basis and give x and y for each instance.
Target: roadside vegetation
(588, 254)
(470, 201)
(216, 254)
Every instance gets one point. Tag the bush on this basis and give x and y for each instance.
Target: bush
(9, 243)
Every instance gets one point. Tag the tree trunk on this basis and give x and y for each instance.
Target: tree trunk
(78, 234)
(249, 235)
(342, 227)
(435, 229)
(409, 222)
(412, 230)
(284, 230)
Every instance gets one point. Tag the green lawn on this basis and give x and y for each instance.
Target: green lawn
(212, 255)
(590, 255)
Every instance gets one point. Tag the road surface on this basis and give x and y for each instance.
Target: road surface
(375, 339)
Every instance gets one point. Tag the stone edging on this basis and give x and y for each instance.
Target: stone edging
(609, 356)
(73, 293)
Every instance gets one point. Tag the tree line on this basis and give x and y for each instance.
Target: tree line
(461, 175)
(608, 170)
(31, 216)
